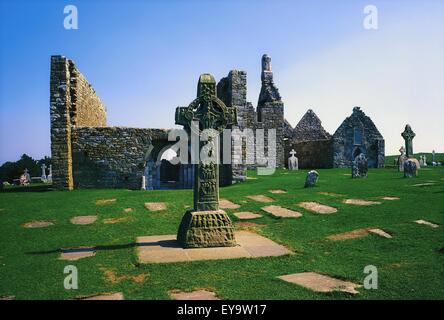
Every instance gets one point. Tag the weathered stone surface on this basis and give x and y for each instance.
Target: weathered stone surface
(408, 136)
(200, 229)
(104, 296)
(165, 249)
(360, 202)
(427, 223)
(359, 233)
(277, 191)
(155, 206)
(105, 201)
(310, 128)
(320, 283)
(410, 169)
(279, 211)
(317, 207)
(358, 134)
(76, 253)
(390, 198)
(247, 215)
(200, 294)
(227, 204)
(82, 220)
(38, 224)
(311, 179)
(115, 220)
(360, 166)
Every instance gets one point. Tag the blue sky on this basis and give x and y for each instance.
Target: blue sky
(144, 58)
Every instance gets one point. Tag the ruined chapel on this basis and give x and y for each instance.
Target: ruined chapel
(86, 153)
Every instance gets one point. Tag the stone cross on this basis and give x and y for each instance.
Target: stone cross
(293, 161)
(206, 225)
(43, 172)
(211, 113)
(408, 136)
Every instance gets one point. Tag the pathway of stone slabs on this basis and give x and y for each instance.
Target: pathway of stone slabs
(165, 249)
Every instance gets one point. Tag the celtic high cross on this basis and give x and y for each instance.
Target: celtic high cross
(408, 136)
(206, 225)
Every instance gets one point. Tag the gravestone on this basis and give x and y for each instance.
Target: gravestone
(408, 136)
(401, 159)
(293, 162)
(206, 225)
(360, 166)
(311, 179)
(433, 156)
(425, 160)
(421, 160)
(49, 177)
(410, 169)
(43, 177)
(25, 178)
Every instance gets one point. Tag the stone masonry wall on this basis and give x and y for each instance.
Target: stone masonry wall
(316, 154)
(87, 110)
(111, 157)
(60, 104)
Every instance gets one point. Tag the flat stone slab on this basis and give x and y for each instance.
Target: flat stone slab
(105, 201)
(227, 204)
(332, 194)
(260, 198)
(358, 233)
(282, 212)
(390, 198)
(427, 223)
(320, 283)
(76, 253)
(165, 249)
(104, 296)
(115, 220)
(38, 224)
(423, 184)
(200, 294)
(155, 206)
(278, 191)
(247, 215)
(317, 207)
(128, 210)
(83, 220)
(361, 202)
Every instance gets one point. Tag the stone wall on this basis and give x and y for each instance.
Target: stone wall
(87, 110)
(310, 128)
(111, 157)
(317, 154)
(60, 104)
(73, 102)
(360, 127)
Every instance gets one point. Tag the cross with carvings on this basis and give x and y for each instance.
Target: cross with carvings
(408, 136)
(211, 113)
(292, 152)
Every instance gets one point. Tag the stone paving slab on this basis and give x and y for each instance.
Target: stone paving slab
(390, 198)
(127, 210)
(260, 198)
(165, 249)
(38, 224)
(317, 207)
(320, 283)
(200, 294)
(105, 201)
(227, 204)
(427, 223)
(105, 296)
(359, 233)
(247, 215)
(155, 206)
(82, 220)
(278, 211)
(278, 191)
(361, 202)
(76, 253)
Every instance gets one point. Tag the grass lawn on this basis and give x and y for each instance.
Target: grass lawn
(410, 265)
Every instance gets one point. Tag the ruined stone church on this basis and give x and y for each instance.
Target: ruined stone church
(86, 153)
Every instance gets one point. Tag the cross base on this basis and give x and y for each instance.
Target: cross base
(202, 229)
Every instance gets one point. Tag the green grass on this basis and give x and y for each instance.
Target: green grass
(439, 157)
(410, 265)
